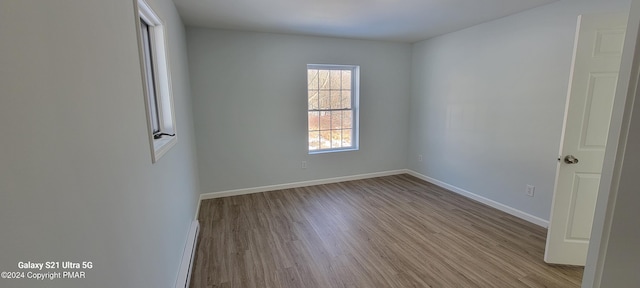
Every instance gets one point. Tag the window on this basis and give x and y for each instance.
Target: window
(332, 107)
(157, 87)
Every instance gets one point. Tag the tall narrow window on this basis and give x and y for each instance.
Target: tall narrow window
(332, 107)
(157, 86)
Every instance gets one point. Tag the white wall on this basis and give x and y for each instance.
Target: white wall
(76, 179)
(250, 107)
(487, 103)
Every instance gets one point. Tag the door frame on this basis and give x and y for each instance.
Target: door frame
(628, 86)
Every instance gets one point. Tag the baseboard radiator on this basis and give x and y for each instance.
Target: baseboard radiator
(184, 274)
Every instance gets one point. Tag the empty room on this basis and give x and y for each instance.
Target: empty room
(437, 143)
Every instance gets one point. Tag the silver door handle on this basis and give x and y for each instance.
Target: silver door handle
(570, 159)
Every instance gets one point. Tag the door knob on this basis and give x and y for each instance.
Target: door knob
(570, 159)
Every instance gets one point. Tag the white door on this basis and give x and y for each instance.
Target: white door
(594, 77)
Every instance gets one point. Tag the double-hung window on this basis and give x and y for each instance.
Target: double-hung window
(157, 86)
(332, 107)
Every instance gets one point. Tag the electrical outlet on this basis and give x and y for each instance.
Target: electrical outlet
(531, 190)
(419, 157)
(303, 165)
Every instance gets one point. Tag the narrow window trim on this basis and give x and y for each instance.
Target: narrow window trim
(355, 103)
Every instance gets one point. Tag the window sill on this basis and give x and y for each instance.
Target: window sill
(162, 145)
(332, 151)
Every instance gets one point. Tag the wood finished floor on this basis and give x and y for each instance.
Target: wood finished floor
(396, 231)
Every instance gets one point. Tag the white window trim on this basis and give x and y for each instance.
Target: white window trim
(164, 96)
(355, 105)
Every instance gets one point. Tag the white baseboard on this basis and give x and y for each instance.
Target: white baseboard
(504, 208)
(184, 274)
(299, 184)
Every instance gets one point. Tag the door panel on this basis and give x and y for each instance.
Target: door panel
(582, 206)
(598, 110)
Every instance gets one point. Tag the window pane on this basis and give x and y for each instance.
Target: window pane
(336, 99)
(325, 120)
(312, 78)
(347, 119)
(336, 139)
(336, 119)
(314, 121)
(346, 79)
(313, 99)
(314, 140)
(346, 99)
(323, 78)
(346, 138)
(325, 100)
(335, 79)
(325, 139)
(150, 76)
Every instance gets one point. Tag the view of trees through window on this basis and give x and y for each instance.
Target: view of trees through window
(330, 108)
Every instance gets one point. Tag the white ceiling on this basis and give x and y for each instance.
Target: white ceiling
(395, 20)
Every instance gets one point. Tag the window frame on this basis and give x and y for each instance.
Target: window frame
(355, 110)
(158, 97)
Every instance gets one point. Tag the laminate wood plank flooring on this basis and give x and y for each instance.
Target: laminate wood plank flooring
(395, 231)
